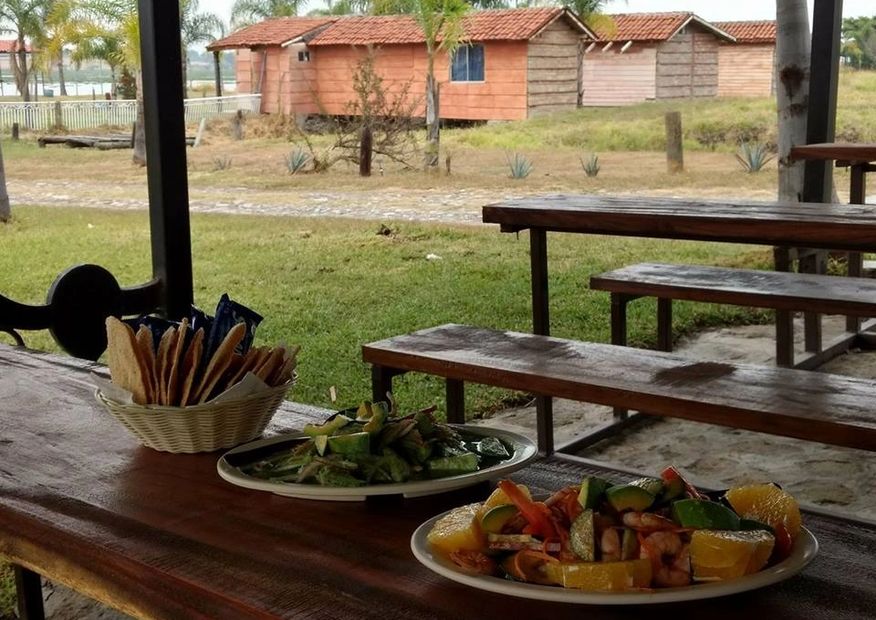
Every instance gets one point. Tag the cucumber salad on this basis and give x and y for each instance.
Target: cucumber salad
(372, 444)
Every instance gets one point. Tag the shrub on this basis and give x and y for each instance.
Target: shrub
(590, 165)
(297, 159)
(741, 131)
(709, 133)
(519, 166)
(753, 157)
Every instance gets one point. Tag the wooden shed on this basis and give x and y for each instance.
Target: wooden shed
(645, 56)
(516, 63)
(747, 68)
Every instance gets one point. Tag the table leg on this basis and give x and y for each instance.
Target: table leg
(455, 396)
(857, 196)
(619, 303)
(541, 326)
(664, 324)
(29, 589)
(381, 382)
(816, 262)
(784, 318)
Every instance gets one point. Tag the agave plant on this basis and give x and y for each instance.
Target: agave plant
(590, 165)
(519, 166)
(221, 163)
(296, 160)
(753, 157)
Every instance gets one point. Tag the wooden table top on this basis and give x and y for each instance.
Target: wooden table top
(816, 225)
(162, 536)
(840, 151)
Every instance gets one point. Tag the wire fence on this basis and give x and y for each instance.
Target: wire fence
(75, 115)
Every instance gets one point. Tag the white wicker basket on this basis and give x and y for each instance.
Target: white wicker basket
(199, 428)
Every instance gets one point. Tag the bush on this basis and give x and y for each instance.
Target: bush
(709, 133)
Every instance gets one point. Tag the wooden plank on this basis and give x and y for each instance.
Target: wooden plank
(819, 407)
(744, 287)
(835, 150)
(816, 225)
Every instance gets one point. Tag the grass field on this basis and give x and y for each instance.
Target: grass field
(330, 285)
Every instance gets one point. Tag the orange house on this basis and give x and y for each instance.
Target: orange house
(748, 67)
(515, 63)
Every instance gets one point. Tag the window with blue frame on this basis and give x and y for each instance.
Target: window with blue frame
(467, 64)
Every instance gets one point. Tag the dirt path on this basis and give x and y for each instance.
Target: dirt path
(462, 206)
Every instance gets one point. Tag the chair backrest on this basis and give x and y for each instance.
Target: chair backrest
(78, 303)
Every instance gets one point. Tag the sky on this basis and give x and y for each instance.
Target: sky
(717, 10)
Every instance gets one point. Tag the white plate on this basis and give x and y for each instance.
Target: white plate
(524, 451)
(804, 551)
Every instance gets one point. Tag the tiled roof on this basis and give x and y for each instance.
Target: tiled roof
(649, 26)
(504, 25)
(271, 32)
(750, 32)
(11, 45)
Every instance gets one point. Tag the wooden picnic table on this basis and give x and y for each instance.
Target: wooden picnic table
(810, 225)
(162, 536)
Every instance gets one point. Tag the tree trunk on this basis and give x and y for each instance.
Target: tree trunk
(433, 119)
(112, 81)
(185, 75)
(792, 79)
(61, 82)
(5, 209)
(20, 68)
(139, 157)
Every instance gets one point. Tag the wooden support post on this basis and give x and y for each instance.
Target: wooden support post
(455, 391)
(59, 115)
(365, 151)
(820, 127)
(664, 324)
(541, 325)
(217, 70)
(784, 318)
(619, 303)
(29, 589)
(15, 131)
(855, 260)
(237, 126)
(161, 59)
(381, 383)
(200, 133)
(674, 146)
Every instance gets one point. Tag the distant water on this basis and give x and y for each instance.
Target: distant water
(85, 89)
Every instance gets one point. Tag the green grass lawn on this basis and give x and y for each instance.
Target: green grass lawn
(331, 285)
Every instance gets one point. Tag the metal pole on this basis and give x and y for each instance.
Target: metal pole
(161, 59)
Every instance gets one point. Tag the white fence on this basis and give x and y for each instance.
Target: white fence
(46, 115)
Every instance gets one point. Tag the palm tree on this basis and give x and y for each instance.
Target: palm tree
(442, 24)
(119, 19)
(24, 19)
(99, 44)
(196, 27)
(59, 30)
(248, 12)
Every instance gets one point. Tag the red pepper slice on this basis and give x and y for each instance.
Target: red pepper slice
(536, 513)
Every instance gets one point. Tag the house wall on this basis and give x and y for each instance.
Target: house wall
(288, 84)
(613, 78)
(501, 96)
(687, 65)
(746, 70)
(553, 69)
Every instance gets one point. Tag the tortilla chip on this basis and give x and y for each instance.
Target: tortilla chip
(127, 368)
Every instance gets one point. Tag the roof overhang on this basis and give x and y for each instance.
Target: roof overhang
(721, 34)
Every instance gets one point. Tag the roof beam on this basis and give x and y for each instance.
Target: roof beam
(607, 46)
(626, 46)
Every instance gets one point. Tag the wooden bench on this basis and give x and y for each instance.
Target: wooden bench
(739, 287)
(819, 407)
